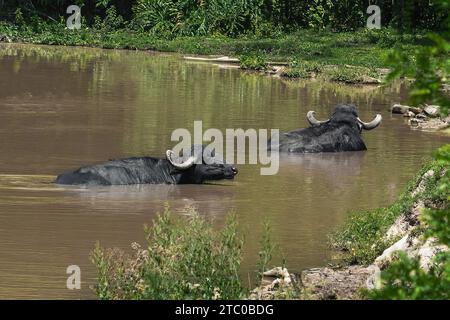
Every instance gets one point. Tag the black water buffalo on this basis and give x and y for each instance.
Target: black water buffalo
(342, 132)
(193, 169)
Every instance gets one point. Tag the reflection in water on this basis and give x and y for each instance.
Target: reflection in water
(61, 108)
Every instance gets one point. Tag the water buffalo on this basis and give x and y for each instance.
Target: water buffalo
(342, 132)
(148, 170)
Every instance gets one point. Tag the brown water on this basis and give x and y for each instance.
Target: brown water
(61, 108)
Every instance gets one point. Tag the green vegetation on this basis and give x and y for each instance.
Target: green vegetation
(267, 250)
(312, 53)
(183, 259)
(253, 62)
(338, 73)
(404, 279)
(235, 17)
(320, 38)
(350, 74)
(256, 30)
(362, 237)
(303, 69)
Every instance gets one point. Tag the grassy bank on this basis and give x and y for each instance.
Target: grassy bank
(353, 56)
(363, 236)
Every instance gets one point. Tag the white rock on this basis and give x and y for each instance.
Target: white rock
(427, 252)
(386, 257)
(421, 116)
(398, 229)
(431, 110)
(276, 272)
(374, 281)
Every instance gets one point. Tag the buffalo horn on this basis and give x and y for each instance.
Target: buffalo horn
(372, 124)
(182, 166)
(312, 120)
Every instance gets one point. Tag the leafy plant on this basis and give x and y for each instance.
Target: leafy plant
(253, 61)
(405, 280)
(267, 250)
(182, 260)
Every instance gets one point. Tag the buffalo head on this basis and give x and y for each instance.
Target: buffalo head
(200, 165)
(341, 132)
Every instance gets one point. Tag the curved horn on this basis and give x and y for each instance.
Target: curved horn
(170, 155)
(372, 124)
(312, 120)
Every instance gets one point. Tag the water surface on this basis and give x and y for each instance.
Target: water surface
(61, 108)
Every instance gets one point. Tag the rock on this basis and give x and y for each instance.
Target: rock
(427, 252)
(369, 80)
(402, 109)
(414, 122)
(412, 218)
(341, 284)
(276, 272)
(421, 116)
(434, 124)
(409, 114)
(4, 38)
(386, 257)
(273, 289)
(398, 229)
(415, 110)
(399, 109)
(374, 280)
(431, 110)
(276, 70)
(423, 183)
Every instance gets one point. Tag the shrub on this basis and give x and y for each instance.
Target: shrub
(303, 69)
(351, 75)
(404, 279)
(182, 260)
(253, 61)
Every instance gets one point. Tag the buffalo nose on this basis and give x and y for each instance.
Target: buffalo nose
(235, 171)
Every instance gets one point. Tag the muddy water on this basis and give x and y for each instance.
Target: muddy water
(61, 108)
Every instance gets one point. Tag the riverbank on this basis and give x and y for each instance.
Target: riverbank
(357, 57)
(370, 241)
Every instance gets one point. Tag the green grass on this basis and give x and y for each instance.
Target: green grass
(363, 48)
(351, 75)
(303, 69)
(339, 73)
(311, 53)
(362, 237)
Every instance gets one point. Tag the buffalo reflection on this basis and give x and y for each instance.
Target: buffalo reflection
(214, 200)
